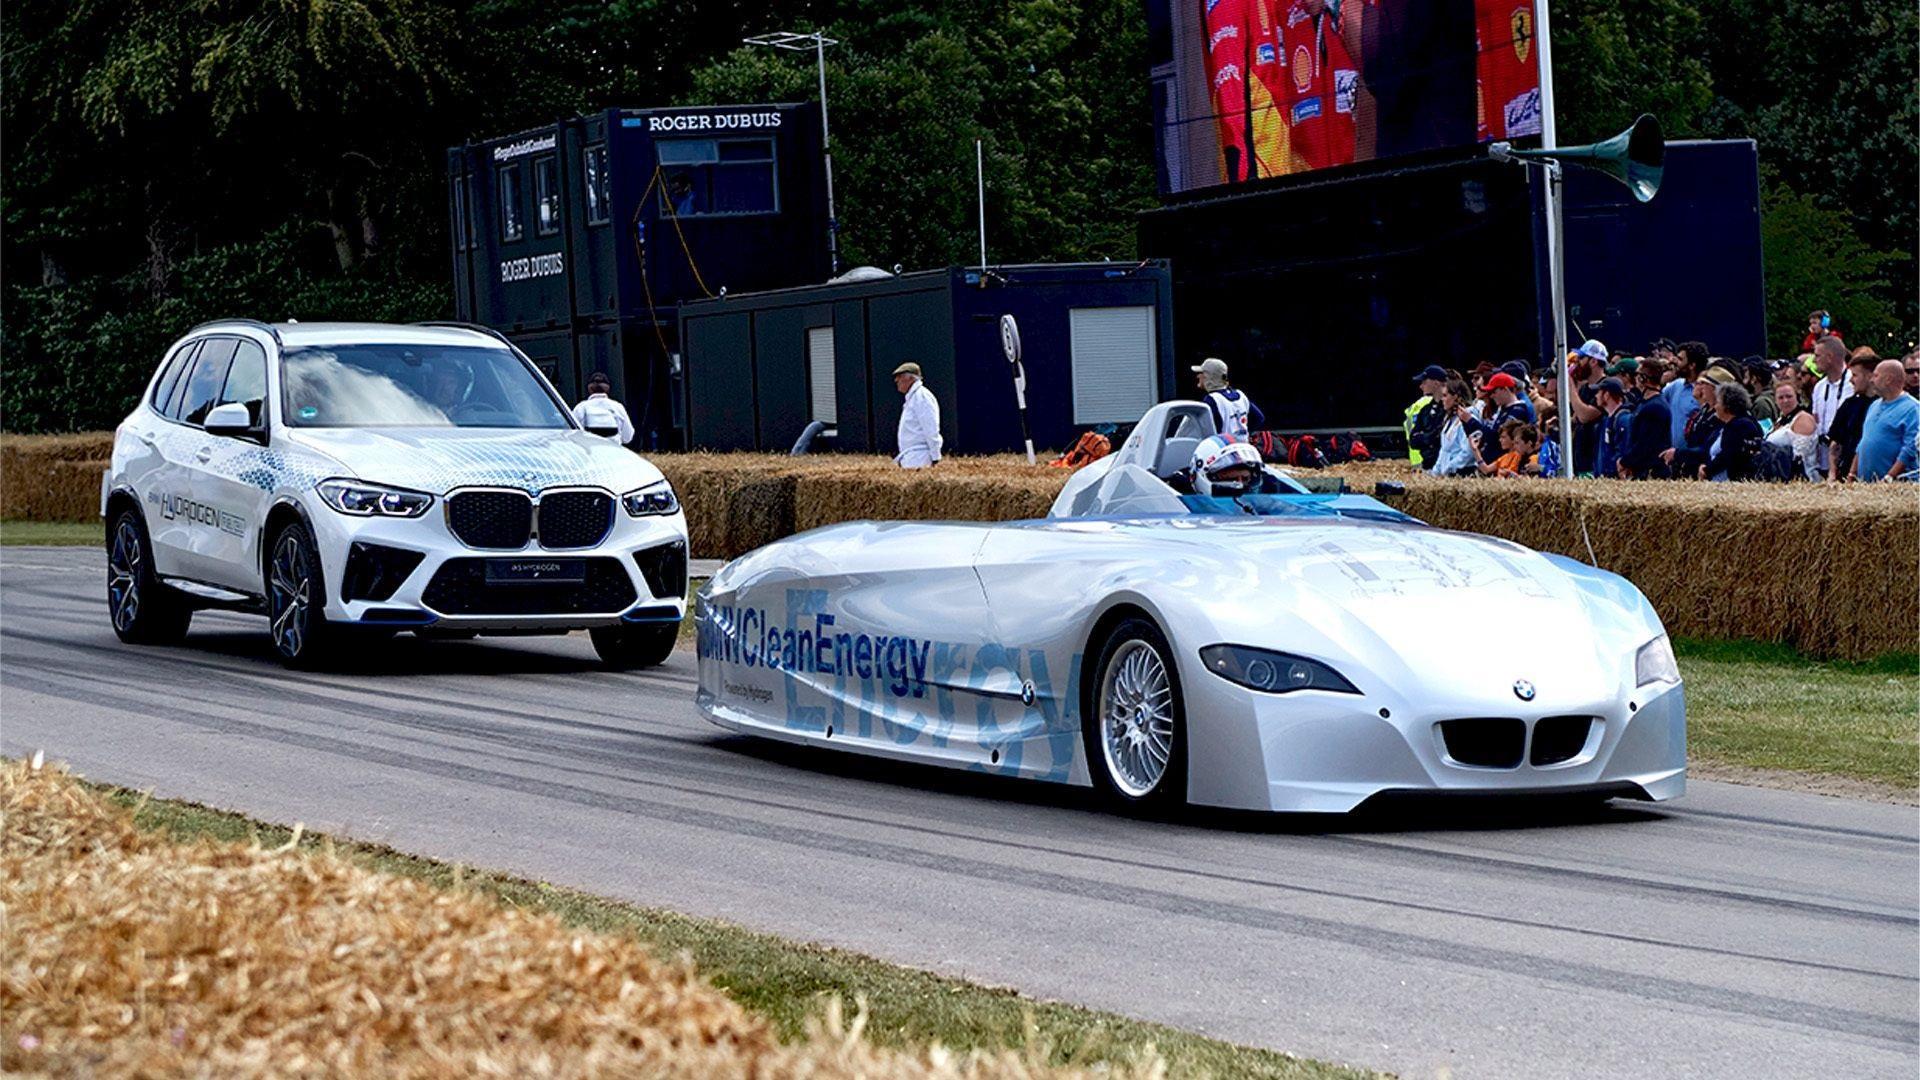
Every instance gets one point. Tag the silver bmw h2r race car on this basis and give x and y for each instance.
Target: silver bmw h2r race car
(1289, 652)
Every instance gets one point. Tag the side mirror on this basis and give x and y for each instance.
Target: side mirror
(232, 420)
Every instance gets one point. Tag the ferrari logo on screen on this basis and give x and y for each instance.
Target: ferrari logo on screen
(1302, 67)
(1522, 24)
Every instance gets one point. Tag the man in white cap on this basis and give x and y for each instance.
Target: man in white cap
(1587, 365)
(1234, 414)
(919, 434)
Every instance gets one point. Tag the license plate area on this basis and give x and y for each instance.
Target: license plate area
(536, 571)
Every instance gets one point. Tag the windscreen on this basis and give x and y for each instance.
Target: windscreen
(414, 386)
(1287, 506)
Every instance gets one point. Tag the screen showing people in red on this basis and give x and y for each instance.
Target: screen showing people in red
(1247, 89)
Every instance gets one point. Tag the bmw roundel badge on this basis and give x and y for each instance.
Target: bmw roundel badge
(1523, 689)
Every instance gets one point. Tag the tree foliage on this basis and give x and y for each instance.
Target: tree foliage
(169, 161)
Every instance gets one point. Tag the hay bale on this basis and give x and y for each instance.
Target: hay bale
(129, 954)
(53, 477)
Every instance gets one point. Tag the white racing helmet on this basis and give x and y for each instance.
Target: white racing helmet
(1218, 453)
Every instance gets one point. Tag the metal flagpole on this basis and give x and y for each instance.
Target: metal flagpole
(1556, 273)
(826, 151)
(796, 41)
(980, 177)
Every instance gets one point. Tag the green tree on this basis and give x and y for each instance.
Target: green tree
(1056, 91)
(1814, 259)
(1616, 59)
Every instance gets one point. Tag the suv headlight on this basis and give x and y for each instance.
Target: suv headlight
(1655, 663)
(361, 499)
(1272, 672)
(655, 498)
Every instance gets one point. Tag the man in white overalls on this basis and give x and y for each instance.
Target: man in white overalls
(1234, 414)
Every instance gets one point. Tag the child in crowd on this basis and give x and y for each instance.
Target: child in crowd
(1521, 445)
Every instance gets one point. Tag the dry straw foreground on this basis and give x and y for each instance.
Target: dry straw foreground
(130, 955)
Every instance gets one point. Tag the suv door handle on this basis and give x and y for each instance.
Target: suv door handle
(205, 453)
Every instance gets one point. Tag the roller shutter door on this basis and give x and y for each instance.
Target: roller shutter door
(1113, 363)
(820, 373)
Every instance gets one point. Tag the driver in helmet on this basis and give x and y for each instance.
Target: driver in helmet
(1225, 468)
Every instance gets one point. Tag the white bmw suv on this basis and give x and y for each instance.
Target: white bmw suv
(351, 480)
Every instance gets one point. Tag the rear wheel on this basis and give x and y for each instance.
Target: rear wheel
(1136, 733)
(144, 611)
(625, 647)
(297, 599)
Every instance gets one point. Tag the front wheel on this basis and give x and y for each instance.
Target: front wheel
(297, 599)
(622, 648)
(1136, 734)
(144, 611)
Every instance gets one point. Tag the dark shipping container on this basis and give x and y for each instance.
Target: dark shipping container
(580, 240)
(1097, 348)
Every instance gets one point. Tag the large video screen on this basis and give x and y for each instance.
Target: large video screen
(1248, 89)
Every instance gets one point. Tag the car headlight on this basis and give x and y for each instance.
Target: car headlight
(362, 499)
(1272, 672)
(1655, 663)
(655, 498)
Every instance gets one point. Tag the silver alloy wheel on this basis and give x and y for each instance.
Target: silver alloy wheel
(1136, 718)
(123, 576)
(290, 589)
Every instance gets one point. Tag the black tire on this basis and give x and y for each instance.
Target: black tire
(623, 648)
(296, 591)
(1118, 774)
(144, 611)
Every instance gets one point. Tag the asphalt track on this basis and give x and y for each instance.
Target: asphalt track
(1738, 932)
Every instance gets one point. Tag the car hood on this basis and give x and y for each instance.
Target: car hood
(439, 459)
(1403, 599)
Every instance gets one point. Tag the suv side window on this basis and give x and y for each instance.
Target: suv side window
(247, 381)
(203, 385)
(169, 379)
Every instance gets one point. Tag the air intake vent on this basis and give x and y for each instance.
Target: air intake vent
(1559, 738)
(501, 520)
(1487, 743)
(574, 519)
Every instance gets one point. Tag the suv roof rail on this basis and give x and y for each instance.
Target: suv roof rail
(455, 324)
(254, 323)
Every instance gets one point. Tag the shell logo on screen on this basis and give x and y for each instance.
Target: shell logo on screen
(1302, 67)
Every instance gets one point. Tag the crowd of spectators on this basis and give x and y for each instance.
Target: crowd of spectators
(1678, 411)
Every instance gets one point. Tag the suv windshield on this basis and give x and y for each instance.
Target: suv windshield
(414, 386)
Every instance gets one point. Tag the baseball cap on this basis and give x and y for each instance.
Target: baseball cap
(1212, 365)
(907, 369)
(1431, 371)
(1663, 343)
(1624, 365)
(1516, 368)
(1612, 386)
(1593, 349)
(1502, 381)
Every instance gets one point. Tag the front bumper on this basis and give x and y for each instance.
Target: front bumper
(447, 587)
(1323, 752)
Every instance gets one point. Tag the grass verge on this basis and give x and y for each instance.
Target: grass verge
(783, 984)
(1760, 706)
(60, 533)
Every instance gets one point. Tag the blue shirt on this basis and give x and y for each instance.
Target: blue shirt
(1887, 436)
(1456, 453)
(1678, 395)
